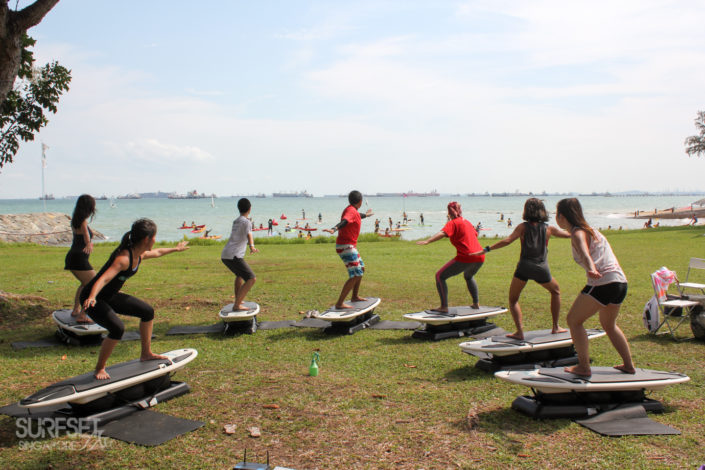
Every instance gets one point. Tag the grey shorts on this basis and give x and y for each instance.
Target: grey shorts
(239, 267)
(538, 272)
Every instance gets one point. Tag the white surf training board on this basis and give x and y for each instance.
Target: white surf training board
(603, 379)
(346, 314)
(85, 388)
(536, 340)
(65, 321)
(227, 315)
(455, 314)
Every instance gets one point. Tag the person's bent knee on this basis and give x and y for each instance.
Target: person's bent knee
(116, 332)
(609, 325)
(148, 314)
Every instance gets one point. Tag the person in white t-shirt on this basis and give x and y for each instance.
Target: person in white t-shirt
(233, 255)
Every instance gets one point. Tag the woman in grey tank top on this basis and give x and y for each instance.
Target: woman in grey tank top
(534, 234)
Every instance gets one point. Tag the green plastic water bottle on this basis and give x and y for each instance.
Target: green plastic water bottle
(313, 368)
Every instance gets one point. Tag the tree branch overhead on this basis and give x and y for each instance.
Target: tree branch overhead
(31, 15)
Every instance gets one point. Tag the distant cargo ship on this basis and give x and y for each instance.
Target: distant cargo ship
(192, 195)
(293, 194)
(409, 194)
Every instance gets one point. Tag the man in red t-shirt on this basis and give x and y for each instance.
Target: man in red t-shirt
(463, 236)
(346, 246)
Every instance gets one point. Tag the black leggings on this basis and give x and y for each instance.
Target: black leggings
(452, 268)
(104, 312)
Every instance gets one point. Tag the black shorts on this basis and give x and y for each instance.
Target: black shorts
(538, 272)
(612, 293)
(77, 260)
(239, 267)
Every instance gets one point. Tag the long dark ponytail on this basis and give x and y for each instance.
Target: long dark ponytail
(141, 229)
(571, 209)
(85, 208)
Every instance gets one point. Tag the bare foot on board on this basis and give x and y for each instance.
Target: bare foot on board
(151, 357)
(577, 370)
(439, 310)
(625, 369)
(81, 317)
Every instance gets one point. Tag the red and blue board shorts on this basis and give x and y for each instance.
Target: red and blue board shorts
(352, 259)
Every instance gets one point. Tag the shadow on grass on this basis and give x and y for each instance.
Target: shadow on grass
(32, 353)
(469, 372)
(669, 408)
(503, 423)
(50, 349)
(309, 334)
(38, 433)
(56, 450)
(405, 339)
(665, 338)
(8, 432)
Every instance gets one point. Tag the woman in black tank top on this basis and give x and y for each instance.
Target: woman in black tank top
(77, 258)
(534, 234)
(102, 298)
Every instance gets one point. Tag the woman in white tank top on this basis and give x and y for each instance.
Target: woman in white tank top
(605, 290)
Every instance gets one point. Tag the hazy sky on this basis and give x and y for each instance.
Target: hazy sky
(240, 97)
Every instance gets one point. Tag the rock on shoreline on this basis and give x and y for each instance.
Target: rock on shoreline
(43, 228)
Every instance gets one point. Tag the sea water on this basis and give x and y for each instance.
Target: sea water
(115, 217)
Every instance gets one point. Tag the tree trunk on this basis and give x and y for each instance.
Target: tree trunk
(13, 24)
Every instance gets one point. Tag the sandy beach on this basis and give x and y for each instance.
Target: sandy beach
(671, 213)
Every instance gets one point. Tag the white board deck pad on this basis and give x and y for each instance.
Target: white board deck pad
(85, 387)
(226, 313)
(556, 380)
(455, 314)
(346, 314)
(66, 322)
(535, 340)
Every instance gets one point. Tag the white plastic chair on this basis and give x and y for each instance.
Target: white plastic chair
(695, 263)
(668, 307)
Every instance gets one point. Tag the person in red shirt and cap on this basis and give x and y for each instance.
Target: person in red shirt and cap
(463, 236)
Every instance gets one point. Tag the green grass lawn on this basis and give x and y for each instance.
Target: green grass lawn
(382, 399)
